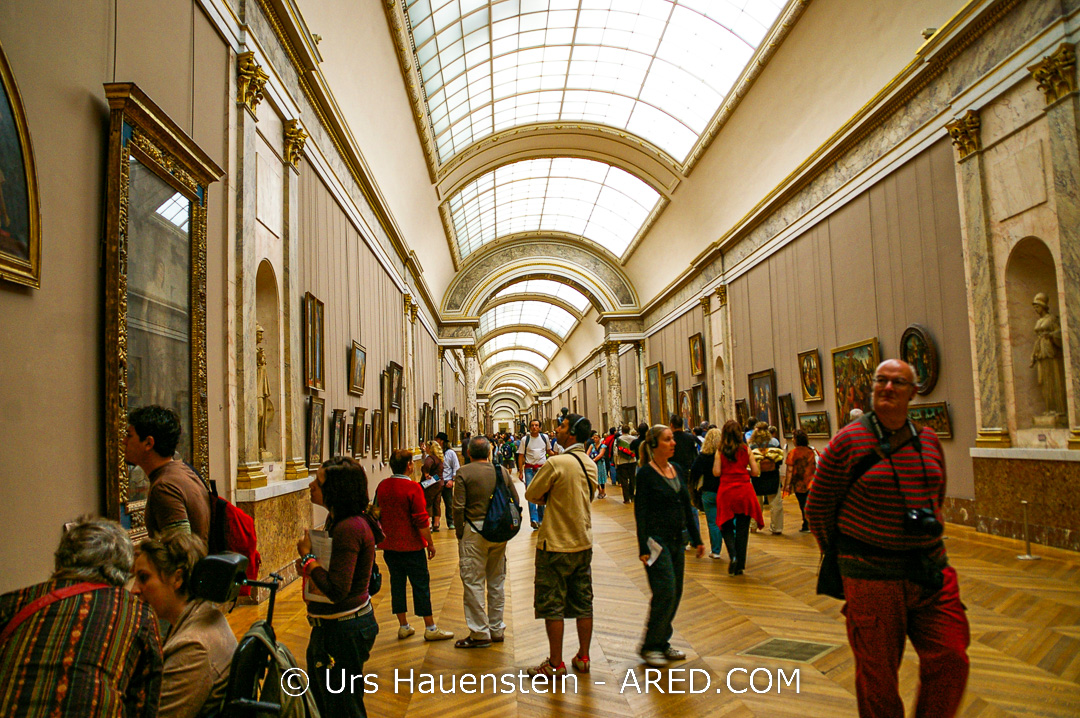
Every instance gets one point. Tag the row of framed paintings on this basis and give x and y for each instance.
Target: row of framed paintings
(816, 423)
(359, 439)
(665, 398)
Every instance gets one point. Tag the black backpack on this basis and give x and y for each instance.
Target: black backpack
(503, 518)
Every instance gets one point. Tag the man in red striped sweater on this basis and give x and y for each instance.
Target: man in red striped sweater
(876, 473)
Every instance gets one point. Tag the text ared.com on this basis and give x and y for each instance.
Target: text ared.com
(295, 682)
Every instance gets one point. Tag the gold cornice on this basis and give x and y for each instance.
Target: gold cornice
(324, 107)
(1056, 74)
(250, 80)
(964, 132)
(913, 78)
(396, 16)
(294, 142)
(721, 295)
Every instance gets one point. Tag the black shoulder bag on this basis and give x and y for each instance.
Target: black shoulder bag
(829, 582)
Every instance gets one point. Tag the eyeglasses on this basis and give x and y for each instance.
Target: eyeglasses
(883, 381)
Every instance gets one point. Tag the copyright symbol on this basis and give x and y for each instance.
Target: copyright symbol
(294, 682)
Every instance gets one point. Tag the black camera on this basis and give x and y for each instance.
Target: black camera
(922, 522)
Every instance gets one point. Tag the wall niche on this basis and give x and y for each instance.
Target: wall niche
(268, 389)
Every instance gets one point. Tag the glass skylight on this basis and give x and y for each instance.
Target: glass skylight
(509, 390)
(590, 199)
(537, 313)
(526, 340)
(176, 210)
(505, 355)
(656, 68)
(550, 287)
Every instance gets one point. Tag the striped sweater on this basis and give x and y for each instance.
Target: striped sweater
(92, 655)
(868, 524)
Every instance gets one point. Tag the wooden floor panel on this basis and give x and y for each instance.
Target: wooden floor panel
(1025, 621)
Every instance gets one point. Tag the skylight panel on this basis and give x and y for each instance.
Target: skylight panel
(537, 313)
(176, 210)
(594, 200)
(576, 60)
(508, 355)
(525, 340)
(550, 287)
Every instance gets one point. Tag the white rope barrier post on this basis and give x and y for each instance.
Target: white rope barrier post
(1027, 538)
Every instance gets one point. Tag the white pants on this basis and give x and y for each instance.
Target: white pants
(776, 510)
(482, 563)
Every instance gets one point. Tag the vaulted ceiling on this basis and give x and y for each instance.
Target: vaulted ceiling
(567, 125)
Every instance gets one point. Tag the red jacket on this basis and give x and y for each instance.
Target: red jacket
(403, 512)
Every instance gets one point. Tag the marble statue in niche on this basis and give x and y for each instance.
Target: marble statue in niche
(262, 386)
(1046, 358)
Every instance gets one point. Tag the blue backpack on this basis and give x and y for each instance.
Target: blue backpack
(503, 518)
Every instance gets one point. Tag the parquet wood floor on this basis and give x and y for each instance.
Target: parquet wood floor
(1025, 626)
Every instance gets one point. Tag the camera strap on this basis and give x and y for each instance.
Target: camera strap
(889, 444)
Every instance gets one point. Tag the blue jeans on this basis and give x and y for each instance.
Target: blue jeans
(708, 500)
(611, 471)
(536, 512)
(340, 646)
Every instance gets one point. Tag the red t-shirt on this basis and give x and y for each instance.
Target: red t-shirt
(403, 513)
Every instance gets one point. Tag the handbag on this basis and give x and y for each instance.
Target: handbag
(374, 584)
(829, 581)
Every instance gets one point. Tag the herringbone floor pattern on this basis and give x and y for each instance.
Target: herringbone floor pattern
(1025, 626)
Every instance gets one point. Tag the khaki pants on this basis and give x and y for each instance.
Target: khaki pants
(482, 565)
(776, 509)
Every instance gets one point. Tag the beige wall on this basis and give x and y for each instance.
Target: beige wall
(671, 345)
(51, 393)
(628, 376)
(889, 258)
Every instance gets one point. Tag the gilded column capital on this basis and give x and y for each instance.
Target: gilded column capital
(721, 295)
(964, 132)
(639, 346)
(250, 80)
(610, 346)
(469, 351)
(442, 354)
(294, 142)
(1056, 73)
(706, 302)
(414, 310)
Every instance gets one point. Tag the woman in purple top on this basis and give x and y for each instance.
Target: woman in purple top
(343, 625)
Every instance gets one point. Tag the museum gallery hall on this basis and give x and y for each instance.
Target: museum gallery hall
(319, 228)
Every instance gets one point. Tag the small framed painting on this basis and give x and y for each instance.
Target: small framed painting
(787, 415)
(20, 233)
(810, 375)
(357, 369)
(763, 397)
(629, 416)
(367, 440)
(671, 397)
(358, 432)
(349, 440)
(316, 418)
(686, 408)
(815, 424)
(654, 380)
(853, 376)
(742, 412)
(701, 403)
(395, 438)
(697, 354)
(396, 385)
(917, 349)
(935, 416)
(314, 375)
(377, 433)
(337, 433)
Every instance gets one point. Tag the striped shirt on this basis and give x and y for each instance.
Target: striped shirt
(93, 655)
(869, 523)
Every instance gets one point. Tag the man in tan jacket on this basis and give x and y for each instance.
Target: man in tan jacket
(566, 485)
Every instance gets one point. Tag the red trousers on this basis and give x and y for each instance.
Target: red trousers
(880, 614)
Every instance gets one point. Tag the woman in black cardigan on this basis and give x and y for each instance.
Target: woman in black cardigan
(662, 509)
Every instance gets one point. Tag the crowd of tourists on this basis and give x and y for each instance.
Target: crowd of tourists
(117, 629)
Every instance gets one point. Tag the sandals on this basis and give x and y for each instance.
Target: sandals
(471, 642)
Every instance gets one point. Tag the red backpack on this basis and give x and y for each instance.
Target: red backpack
(233, 530)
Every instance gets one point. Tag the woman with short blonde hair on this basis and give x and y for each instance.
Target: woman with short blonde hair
(704, 485)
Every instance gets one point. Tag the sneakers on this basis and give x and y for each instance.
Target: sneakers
(776, 533)
(546, 669)
(715, 555)
(656, 659)
(405, 631)
(674, 654)
(435, 634)
(581, 664)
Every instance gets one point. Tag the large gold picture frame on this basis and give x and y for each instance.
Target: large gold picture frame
(155, 288)
(20, 220)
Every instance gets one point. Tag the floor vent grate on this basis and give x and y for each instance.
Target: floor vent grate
(786, 649)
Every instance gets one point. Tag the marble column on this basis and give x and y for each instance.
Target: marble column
(409, 425)
(440, 425)
(292, 332)
(643, 388)
(707, 349)
(614, 383)
(725, 401)
(991, 420)
(249, 468)
(1056, 76)
(471, 419)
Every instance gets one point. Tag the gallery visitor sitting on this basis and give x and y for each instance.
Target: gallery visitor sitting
(199, 644)
(111, 665)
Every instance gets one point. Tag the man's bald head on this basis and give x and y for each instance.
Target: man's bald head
(894, 387)
(897, 365)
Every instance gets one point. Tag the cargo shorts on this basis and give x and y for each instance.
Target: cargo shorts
(563, 586)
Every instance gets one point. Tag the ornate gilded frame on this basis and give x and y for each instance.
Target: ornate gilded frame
(139, 129)
(917, 348)
(14, 268)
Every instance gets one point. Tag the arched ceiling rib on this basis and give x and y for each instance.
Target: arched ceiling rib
(548, 287)
(523, 297)
(597, 201)
(514, 355)
(521, 371)
(533, 312)
(657, 69)
(519, 339)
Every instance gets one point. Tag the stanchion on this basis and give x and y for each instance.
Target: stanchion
(1027, 538)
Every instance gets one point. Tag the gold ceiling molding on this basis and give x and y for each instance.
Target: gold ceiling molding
(931, 61)
(329, 116)
(562, 139)
(395, 15)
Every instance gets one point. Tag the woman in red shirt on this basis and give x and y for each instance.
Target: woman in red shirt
(736, 502)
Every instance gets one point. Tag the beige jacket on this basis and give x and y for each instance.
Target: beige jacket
(198, 651)
(561, 486)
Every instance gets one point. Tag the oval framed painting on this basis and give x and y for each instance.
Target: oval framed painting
(917, 349)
